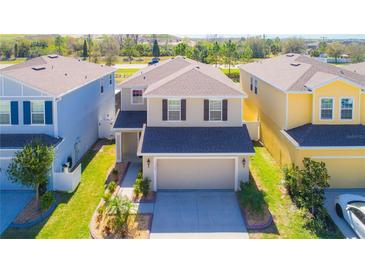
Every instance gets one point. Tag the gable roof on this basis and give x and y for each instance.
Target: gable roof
(295, 72)
(358, 68)
(56, 74)
(181, 76)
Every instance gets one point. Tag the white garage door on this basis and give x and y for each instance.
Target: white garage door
(195, 173)
(5, 183)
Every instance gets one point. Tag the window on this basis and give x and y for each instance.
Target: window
(255, 86)
(326, 109)
(4, 112)
(251, 84)
(347, 105)
(215, 110)
(110, 79)
(137, 98)
(37, 112)
(174, 110)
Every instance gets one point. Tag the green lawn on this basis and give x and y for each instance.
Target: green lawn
(13, 61)
(124, 73)
(289, 222)
(71, 218)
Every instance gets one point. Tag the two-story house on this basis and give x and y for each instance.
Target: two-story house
(311, 109)
(61, 101)
(184, 120)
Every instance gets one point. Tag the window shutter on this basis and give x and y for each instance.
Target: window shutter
(164, 110)
(225, 109)
(26, 112)
(183, 109)
(14, 113)
(206, 110)
(48, 112)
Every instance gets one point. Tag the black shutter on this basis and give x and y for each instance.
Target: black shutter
(164, 110)
(225, 110)
(206, 110)
(183, 109)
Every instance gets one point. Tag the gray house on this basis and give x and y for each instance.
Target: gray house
(183, 120)
(64, 102)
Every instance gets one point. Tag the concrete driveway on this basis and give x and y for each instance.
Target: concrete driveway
(11, 204)
(197, 214)
(329, 204)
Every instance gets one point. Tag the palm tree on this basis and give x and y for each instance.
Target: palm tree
(119, 209)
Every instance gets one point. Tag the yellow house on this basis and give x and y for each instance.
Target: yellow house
(307, 108)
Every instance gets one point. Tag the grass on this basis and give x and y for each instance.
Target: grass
(124, 73)
(13, 61)
(71, 218)
(289, 221)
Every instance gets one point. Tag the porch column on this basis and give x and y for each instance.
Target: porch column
(118, 146)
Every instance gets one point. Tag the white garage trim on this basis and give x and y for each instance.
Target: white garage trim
(155, 163)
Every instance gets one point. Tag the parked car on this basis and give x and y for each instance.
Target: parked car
(154, 61)
(352, 209)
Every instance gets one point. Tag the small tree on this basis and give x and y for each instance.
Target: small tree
(335, 50)
(84, 51)
(15, 50)
(59, 41)
(155, 49)
(306, 186)
(31, 165)
(229, 54)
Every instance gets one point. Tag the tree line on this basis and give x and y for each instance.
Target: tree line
(108, 48)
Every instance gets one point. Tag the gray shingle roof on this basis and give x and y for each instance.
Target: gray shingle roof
(59, 75)
(212, 140)
(358, 68)
(130, 119)
(181, 76)
(328, 135)
(284, 72)
(9, 141)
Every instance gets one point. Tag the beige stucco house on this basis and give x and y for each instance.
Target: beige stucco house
(183, 120)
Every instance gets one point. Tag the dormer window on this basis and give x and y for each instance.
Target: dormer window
(4, 112)
(347, 107)
(215, 110)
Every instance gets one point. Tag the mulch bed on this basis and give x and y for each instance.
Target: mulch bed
(255, 221)
(151, 198)
(31, 212)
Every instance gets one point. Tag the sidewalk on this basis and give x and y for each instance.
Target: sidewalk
(126, 187)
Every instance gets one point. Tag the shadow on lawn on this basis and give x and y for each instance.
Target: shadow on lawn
(61, 198)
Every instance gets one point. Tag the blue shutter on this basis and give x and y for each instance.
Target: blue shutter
(26, 112)
(48, 109)
(14, 113)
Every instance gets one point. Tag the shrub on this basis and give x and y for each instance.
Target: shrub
(251, 197)
(142, 187)
(107, 196)
(112, 186)
(306, 186)
(140, 175)
(118, 210)
(46, 200)
(115, 174)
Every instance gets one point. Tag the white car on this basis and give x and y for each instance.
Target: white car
(352, 209)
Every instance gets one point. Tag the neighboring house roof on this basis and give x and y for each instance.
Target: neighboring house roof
(328, 135)
(293, 72)
(56, 74)
(212, 140)
(184, 77)
(130, 119)
(358, 68)
(15, 141)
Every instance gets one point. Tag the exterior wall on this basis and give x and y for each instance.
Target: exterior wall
(336, 90)
(242, 172)
(15, 91)
(299, 110)
(194, 114)
(79, 113)
(251, 113)
(362, 110)
(126, 98)
(269, 100)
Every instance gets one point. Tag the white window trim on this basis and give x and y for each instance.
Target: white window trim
(8, 113)
(353, 106)
(320, 108)
(168, 111)
(44, 113)
(132, 103)
(221, 100)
